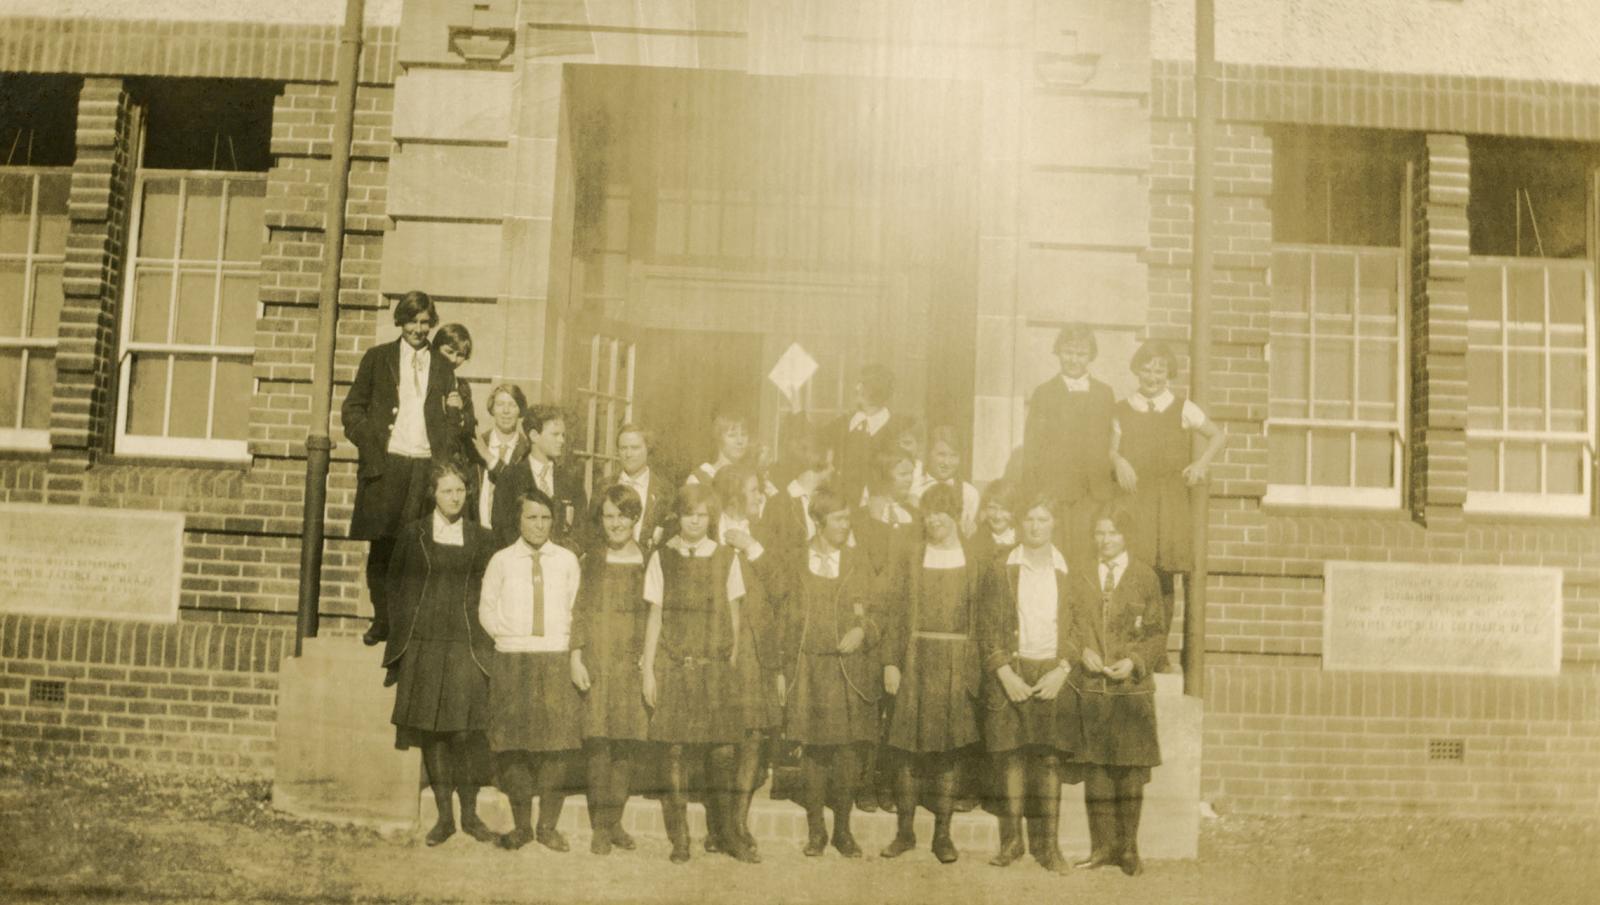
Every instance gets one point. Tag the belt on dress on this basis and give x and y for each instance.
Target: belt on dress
(942, 636)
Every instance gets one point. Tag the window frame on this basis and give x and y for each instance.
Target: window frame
(13, 436)
(1307, 493)
(612, 354)
(1502, 502)
(212, 449)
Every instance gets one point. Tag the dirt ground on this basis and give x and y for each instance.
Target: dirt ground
(84, 832)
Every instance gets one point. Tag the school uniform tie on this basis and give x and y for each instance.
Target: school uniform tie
(828, 568)
(538, 597)
(1108, 586)
(544, 482)
(418, 362)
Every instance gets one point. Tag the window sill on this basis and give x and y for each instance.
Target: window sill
(1529, 506)
(24, 441)
(1286, 497)
(167, 451)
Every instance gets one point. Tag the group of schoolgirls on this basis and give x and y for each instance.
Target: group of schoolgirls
(870, 605)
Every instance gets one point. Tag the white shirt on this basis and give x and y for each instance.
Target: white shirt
(711, 468)
(823, 565)
(1036, 604)
(1006, 538)
(874, 421)
(941, 558)
(1120, 564)
(544, 476)
(1192, 416)
(446, 532)
(1076, 384)
(640, 484)
(799, 493)
(410, 434)
(505, 609)
(501, 448)
(654, 583)
(730, 522)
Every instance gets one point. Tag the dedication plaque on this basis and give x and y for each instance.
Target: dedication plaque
(75, 561)
(1401, 617)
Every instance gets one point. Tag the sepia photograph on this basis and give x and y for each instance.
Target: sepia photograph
(799, 451)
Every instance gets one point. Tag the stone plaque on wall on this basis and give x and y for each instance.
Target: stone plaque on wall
(76, 561)
(1400, 617)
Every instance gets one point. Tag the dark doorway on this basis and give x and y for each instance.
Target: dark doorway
(686, 378)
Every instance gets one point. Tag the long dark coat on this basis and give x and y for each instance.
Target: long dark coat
(1066, 452)
(571, 503)
(368, 415)
(408, 576)
(1118, 717)
(1007, 724)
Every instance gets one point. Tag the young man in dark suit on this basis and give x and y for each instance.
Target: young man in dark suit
(395, 416)
(544, 469)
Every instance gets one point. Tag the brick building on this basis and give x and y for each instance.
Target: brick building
(628, 203)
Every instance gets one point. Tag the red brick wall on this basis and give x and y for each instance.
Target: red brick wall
(188, 694)
(1280, 734)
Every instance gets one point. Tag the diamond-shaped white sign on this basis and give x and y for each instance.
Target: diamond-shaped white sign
(795, 366)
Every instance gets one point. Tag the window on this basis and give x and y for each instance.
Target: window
(605, 401)
(1530, 328)
(1530, 413)
(192, 290)
(1336, 403)
(38, 127)
(1337, 343)
(33, 238)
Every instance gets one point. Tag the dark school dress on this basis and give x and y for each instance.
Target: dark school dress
(933, 646)
(1008, 725)
(695, 695)
(1157, 447)
(1066, 452)
(833, 697)
(987, 551)
(608, 624)
(1118, 718)
(755, 673)
(533, 705)
(437, 652)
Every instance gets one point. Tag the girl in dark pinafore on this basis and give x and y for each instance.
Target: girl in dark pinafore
(829, 642)
(437, 654)
(608, 624)
(1119, 618)
(1150, 452)
(931, 667)
(694, 587)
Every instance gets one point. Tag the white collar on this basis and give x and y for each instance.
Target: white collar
(797, 491)
(538, 468)
(1139, 402)
(704, 548)
(874, 421)
(442, 528)
(1008, 536)
(527, 549)
(1120, 561)
(1019, 557)
(729, 522)
(1076, 384)
(407, 353)
(498, 440)
(623, 558)
(641, 480)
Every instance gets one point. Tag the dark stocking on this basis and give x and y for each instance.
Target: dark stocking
(905, 806)
(722, 787)
(379, 553)
(516, 780)
(675, 805)
(814, 762)
(1099, 803)
(469, 755)
(436, 760)
(1044, 794)
(1011, 807)
(846, 774)
(944, 771)
(552, 776)
(746, 778)
(1130, 802)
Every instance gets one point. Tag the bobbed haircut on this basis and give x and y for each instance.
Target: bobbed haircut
(412, 304)
(456, 337)
(947, 435)
(1153, 350)
(1000, 492)
(1035, 499)
(884, 464)
(507, 389)
(535, 495)
(729, 483)
(823, 504)
(693, 496)
(1076, 334)
(727, 421)
(625, 498)
(438, 471)
(942, 498)
(1118, 514)
(633, 427)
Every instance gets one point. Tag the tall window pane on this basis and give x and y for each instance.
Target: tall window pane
(33, 212)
